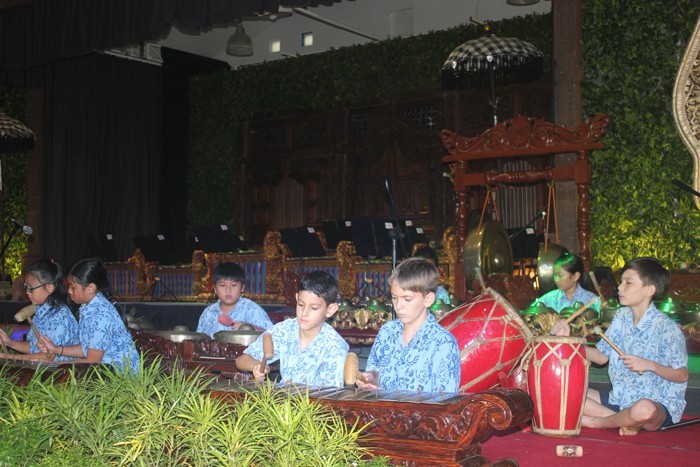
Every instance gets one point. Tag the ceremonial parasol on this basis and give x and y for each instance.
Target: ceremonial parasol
(11, 129)
(491, 61)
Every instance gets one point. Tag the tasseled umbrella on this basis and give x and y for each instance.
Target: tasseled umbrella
(491, 61)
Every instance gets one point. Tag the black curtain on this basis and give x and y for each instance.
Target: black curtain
(102, 153)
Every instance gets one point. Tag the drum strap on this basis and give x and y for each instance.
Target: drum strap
(551, 208)
(489, 197)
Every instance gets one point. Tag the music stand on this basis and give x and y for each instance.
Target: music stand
(303, 242)
(337, 231)
(414, 235)
(155, 248)
(102, 246)
(216, 238)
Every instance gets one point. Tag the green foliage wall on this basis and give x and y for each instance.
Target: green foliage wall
(346, 76)
(14, 183)
(632, 53)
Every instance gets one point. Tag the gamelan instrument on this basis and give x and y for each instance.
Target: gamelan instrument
(413, 427)
(21, 372)
(487, 250)
(557, 380)
(546, 258)
(492, 339)
(26, 313)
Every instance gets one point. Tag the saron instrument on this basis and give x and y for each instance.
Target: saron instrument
(411, 427)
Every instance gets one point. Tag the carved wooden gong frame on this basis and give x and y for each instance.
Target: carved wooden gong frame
(524, 137)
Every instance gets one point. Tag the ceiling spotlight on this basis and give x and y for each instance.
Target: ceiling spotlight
(521, 2)
(240, 44)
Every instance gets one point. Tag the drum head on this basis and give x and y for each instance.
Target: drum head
(545, 266)
(488, 250)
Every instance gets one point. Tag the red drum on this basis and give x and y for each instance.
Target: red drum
(557, 380)
(492, 339)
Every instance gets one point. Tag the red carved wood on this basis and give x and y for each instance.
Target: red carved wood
(524, 137)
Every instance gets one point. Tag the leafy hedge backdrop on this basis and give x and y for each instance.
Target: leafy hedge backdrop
(632, 51)
(14, 183)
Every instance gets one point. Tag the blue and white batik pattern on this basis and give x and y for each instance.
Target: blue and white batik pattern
(245, 310)
(101, 328)
(556, 299)
(442, 294)
(657, 338)
(320, 364)
(56, 323)
(429, 363)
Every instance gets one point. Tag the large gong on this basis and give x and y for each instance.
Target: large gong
(545, 266)
(487, 250)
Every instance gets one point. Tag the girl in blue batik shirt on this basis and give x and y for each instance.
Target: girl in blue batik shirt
(43, 282)
(103, 335)
(413, 352)
(569, 276)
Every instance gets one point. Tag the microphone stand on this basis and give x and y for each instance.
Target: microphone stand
(682, 185)
(7, 243)
(396, 233)
(529, 224)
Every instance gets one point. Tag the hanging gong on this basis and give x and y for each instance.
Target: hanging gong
(545, 266)
(487, 249)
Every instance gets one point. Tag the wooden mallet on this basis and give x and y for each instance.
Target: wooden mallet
(578, 312)
(352, 369)
(603, 301)
(268, 351)
(26, 313)
(599, 331)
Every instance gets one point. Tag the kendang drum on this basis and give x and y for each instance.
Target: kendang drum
(557, 380)
(492, 339)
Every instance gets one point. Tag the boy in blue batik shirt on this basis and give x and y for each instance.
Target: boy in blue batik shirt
(310, 351)
(650, 379)
(231, 310)
(413, 352)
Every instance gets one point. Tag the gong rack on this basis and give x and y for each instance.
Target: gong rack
(523, 137)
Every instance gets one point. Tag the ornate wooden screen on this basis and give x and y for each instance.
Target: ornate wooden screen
(523, 137)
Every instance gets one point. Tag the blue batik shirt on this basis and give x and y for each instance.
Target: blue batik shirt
(429, 363)
(657, 338)
(101, 328)
(58, 324)
(245, 310)
(320, 364)
(556, 299)
(442, 294)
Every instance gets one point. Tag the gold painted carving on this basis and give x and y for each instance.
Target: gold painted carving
(686, 104)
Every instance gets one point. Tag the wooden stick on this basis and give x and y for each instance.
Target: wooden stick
(610, 343)
(600, 332)
(579, 311)
(268, 351)
(603, 301)
(39, 337)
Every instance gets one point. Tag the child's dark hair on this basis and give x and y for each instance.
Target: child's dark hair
(417, 275)
(228, 271)
(47, 271)
(91, 271)
(573, 264)
(651, 272)
(322, 284)
(427, 253)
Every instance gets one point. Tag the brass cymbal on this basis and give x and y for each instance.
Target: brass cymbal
(545, 266)
(487, 249)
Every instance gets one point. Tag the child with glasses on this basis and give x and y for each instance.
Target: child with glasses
(43, 283)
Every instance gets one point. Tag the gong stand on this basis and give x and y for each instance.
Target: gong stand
(523, 137)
